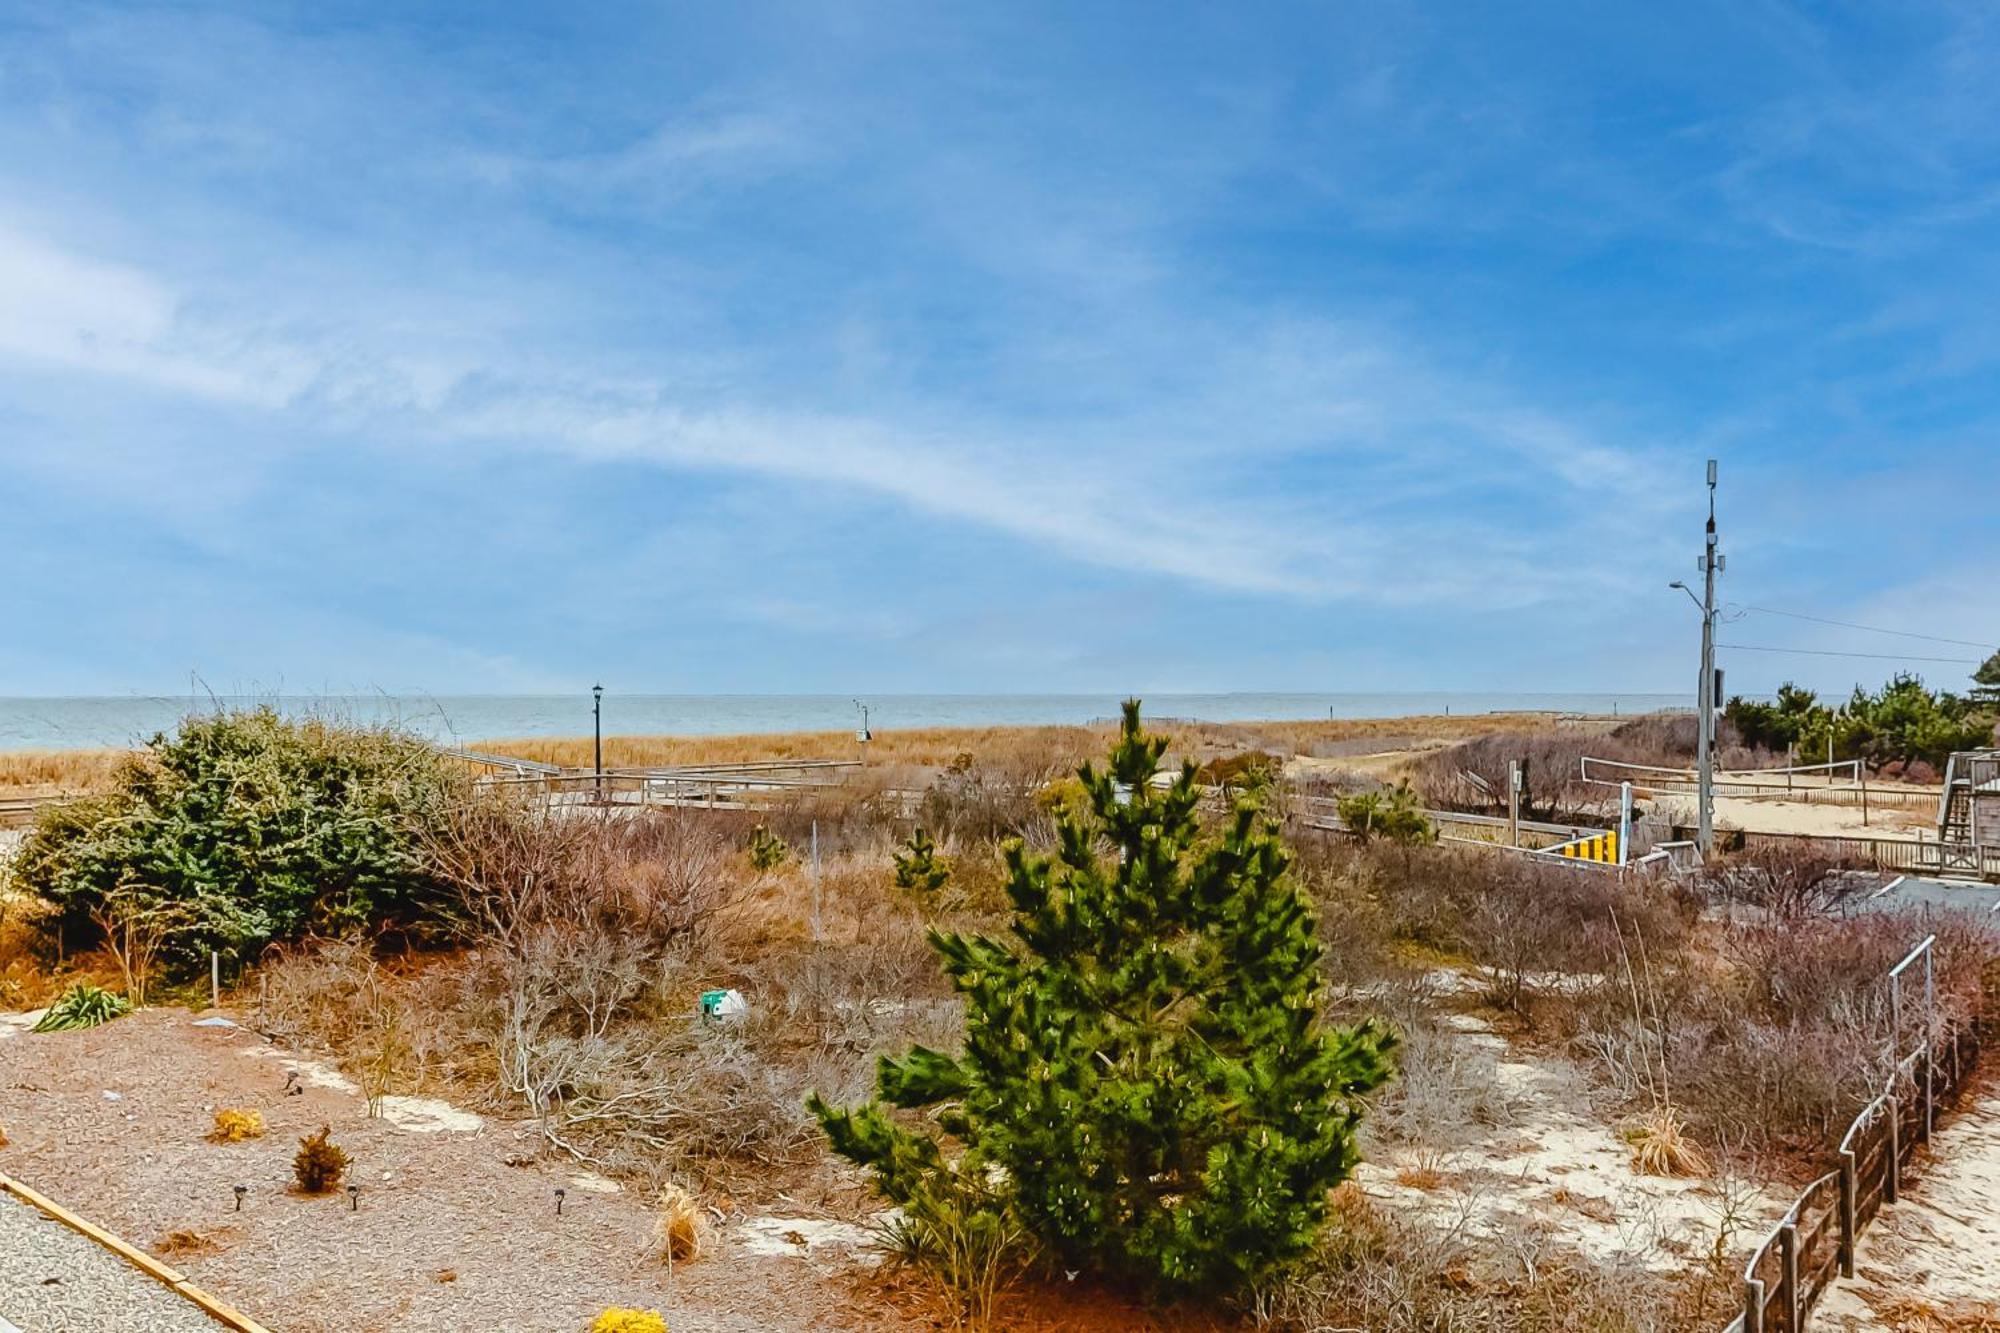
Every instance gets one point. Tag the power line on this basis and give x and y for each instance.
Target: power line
(1832, 652)
(1872, 629)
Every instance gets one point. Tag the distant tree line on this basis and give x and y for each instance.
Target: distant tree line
(1902, 722)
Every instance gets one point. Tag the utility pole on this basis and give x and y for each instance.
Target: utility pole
(1712, 563)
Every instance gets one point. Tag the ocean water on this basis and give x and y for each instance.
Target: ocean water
(68, 723)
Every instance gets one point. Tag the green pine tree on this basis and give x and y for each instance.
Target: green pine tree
(1146, 1087)
(1986, 682)
(919, 868)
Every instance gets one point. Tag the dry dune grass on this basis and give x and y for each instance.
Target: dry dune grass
(38, 772)
(935, 746)
(46, 771)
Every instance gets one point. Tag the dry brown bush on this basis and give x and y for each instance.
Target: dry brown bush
(1555, 789)
(1788, 881)
(1772, 1034)
(1526, 921)
(521, 868)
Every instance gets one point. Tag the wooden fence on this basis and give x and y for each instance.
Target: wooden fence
(1814, 1243)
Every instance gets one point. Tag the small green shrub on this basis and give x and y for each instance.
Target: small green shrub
(319, 1165)
(919, 868)
(83, 1006)
(1394, 813)
(767, 850)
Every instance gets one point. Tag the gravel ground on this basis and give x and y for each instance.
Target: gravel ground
(53, 1280)
(455, 1230)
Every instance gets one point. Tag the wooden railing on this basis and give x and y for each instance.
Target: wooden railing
(1814, 1243)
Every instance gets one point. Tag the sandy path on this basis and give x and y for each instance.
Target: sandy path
(1932, 1260)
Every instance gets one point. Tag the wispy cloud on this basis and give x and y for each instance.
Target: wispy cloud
(1373, 330)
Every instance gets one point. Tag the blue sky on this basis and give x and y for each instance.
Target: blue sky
(482, 347)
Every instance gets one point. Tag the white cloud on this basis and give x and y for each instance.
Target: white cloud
(1175, 485)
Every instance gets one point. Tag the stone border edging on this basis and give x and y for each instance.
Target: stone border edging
(228, 1315)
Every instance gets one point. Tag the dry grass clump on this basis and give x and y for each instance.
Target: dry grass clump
(181, 1242)
(1914, 1314)
(680, 1230)
(1661, 1145)
(320, 1163)
(617, 1320)
(27, 972)
(235, 1124)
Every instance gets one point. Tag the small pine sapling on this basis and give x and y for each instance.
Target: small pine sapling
(767, 850)
(319, 1164)
(1146, 1089)
(919, 869)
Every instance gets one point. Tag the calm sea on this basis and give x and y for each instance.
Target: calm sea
(128, 719)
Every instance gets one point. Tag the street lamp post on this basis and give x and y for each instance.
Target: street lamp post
(597, 730)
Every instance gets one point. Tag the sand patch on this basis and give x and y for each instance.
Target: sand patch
(419, 1115)
(796, 1236)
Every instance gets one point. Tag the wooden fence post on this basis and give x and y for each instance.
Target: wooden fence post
(1849, 1188)
(1788, 1258)
(1753, 1305)
(1892, 1177)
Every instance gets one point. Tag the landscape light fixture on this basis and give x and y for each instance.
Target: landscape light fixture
(241, 1190)
(560, 1192)
(353, 1198)
(597, 732)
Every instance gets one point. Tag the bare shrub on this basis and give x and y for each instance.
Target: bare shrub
(1446, 1092)
(1472, 775)
(1388, 1272)
(138, 926)
(1773, 1033)
(519, 868)
(1787, 881)
(1530, 922)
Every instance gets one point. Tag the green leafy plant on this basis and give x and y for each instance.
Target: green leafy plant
(82, 1006)
(319, 1163)
(767, 850)
(919, 868)
(1146, 1089)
